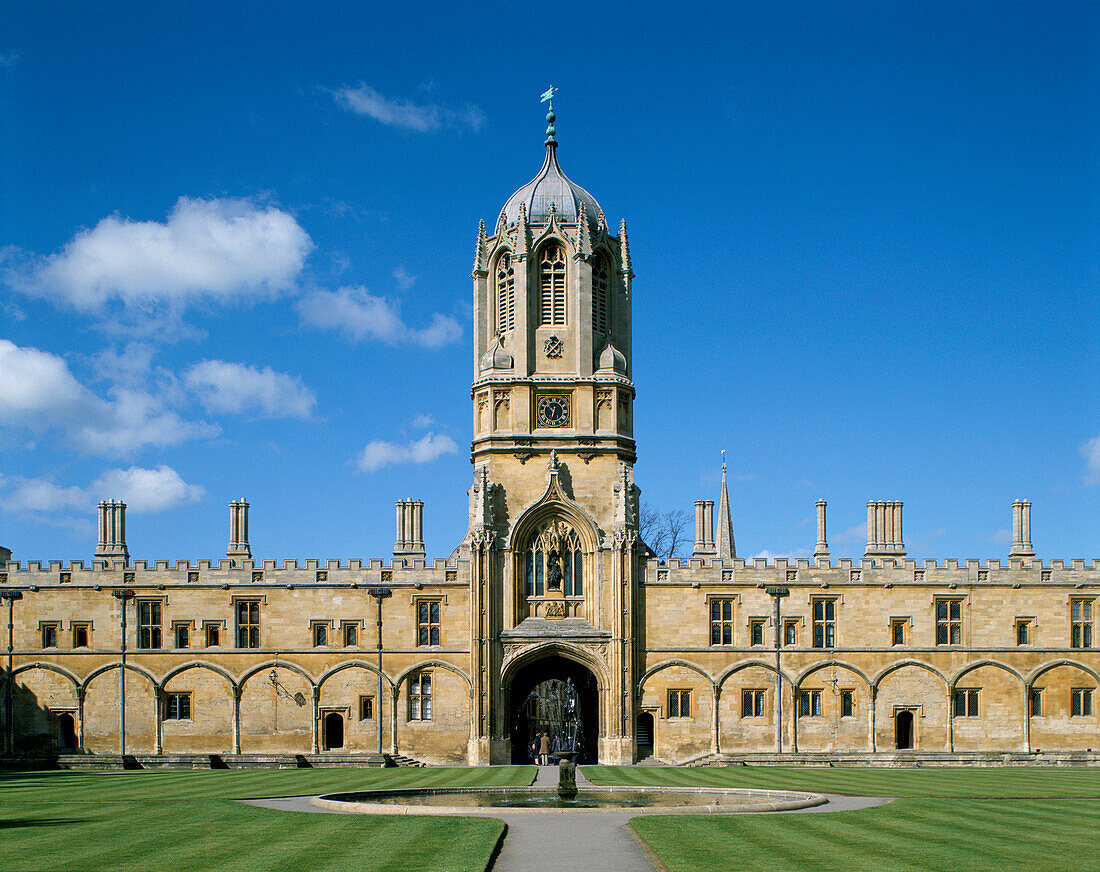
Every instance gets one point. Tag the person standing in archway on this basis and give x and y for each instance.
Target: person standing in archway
(544, 750)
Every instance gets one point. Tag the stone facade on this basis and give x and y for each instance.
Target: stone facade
(250, 657)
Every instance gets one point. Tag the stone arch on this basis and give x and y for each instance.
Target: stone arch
(39, 692)
(277, 717)
(1054, 664)
(274, 664)
(554, 504)
(49, 667)
(665, 664)
(442, 737)
(829, 726)
(737, 732)
(198, 664)
(970, 667)
(101, 713)
(914, 686)
(585, 658)
(901, 664)
(730, 671)
(827, 664)
(999, 722)
(212, 694)
(353, 664)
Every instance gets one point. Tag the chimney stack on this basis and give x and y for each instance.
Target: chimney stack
(410, 529)
(821, 549)
(704, 528)
(239, 549)
(1021, 529)
(884, 537)
(112, 531)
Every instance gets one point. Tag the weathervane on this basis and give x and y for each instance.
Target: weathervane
(548, 97)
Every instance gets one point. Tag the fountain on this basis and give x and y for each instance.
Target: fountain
(557, 709)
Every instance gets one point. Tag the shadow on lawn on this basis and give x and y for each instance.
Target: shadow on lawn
(16, 823)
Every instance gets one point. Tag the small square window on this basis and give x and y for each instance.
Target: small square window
(1044, 575)
(1080, 702)
(320, 634)
(809, 704)
(983, 575)
(1023, 631)
(966, 703)
(257, 576)
(790, 633)
(420, 696)
(918, 575)
(949, 622)
(427, 622)
(756, 631)
(64, 577)
(351, 635)
(177, 706)
(366, 708)
(897, 631)
(854, 576)
(792, 576)
(679, 703)
(450, 576)
(322, 576)
(213, 636)
(721, 622)
(49, 635)
(847, 703)
(128, 577)
(752, 703)
(183, 635)
(387, 576)
(727, 575)
(80, 635)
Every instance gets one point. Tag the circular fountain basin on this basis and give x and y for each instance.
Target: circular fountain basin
(664, 800)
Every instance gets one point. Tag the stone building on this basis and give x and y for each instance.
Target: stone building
(251, 660)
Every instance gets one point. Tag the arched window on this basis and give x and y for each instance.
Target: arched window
(600, 291)
(552, 284)
(554, 561)
(506, 294)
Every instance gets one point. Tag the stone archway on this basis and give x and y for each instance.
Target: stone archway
(534, 705)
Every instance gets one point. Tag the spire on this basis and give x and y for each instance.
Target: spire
(584, 238)
(522, 241)
(727, 548)
(480, 254)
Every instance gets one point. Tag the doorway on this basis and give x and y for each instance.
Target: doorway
(538, 702)
(643, 735)
(333, 731)
(903, 728)
(66, 733)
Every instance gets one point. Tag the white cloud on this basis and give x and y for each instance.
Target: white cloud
(772, 555)
(146, 490)
(38, 392)
(857, 533)
(378, 453)
(421, 422)
(404, 113)
(206, 249)
(234, 387)
(403, 279)
(42, 495)
(1091, 452)
(360, 315)
(1001, 537)
(143, 491)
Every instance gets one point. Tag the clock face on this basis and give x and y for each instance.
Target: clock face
(552, 411)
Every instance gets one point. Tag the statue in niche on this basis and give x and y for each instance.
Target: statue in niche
(553, 570)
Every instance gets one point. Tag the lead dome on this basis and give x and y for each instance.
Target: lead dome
(551, 188)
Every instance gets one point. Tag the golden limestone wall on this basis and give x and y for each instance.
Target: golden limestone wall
(858, 692)
(856, 687)
(270, 699)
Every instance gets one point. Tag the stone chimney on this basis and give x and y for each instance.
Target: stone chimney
(821, 549)
(410, 529)
(884, 538)
(1021, 529)
(704, 528)
(239, 550)
(112, 531)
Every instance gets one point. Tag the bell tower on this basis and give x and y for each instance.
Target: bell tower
(552, 329)
(553, 509)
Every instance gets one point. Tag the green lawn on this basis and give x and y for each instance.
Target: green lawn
(187, 821)
(949, 819)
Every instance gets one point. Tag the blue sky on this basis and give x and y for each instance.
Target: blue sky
(236, 241)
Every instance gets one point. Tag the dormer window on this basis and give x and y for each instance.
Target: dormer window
(552, 284)
(506, 294)
(600, 288)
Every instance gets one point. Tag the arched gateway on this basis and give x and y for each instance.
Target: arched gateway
(537, 702)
